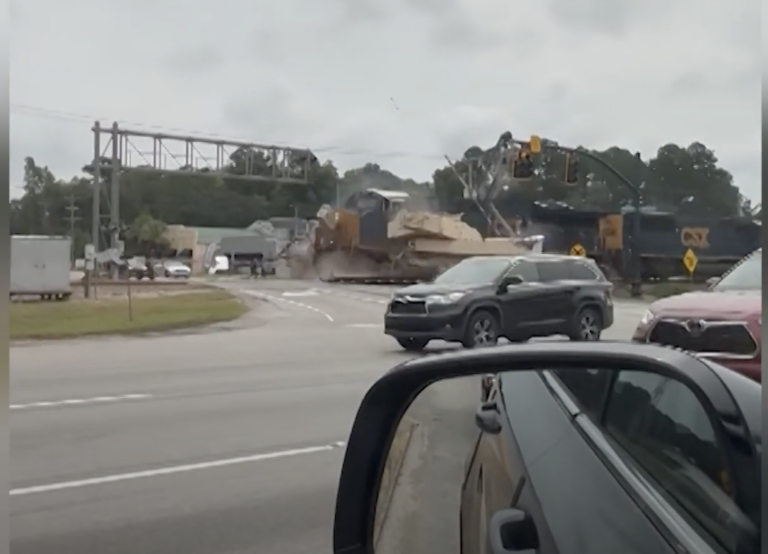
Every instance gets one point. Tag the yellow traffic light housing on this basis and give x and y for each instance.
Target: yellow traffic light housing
(522, 167)
(571, 169)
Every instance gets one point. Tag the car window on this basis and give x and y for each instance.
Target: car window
(583, 271)
(553, 271)
(747, 275)
(526, 270)
(479, 271)
(588, 388)
(665, 429)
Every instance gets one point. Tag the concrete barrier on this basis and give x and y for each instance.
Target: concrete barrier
(394, 464)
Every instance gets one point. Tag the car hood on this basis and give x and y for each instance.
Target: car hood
(426, 289)
(711, 304)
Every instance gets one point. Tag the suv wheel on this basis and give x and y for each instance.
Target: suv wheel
(482, 330)
(588, 326)
(412, 344)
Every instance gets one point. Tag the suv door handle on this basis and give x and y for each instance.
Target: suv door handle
(512, 531)
(487, 418)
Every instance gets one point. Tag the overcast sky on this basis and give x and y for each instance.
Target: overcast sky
(398, 82)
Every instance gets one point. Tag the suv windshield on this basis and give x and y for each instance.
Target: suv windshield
(748, 275)
(480, 271)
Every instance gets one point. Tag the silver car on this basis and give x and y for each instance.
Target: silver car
(174, 269)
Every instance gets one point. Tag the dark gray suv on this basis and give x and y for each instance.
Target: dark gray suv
(483, 298)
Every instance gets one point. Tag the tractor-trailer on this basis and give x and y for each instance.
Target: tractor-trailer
(40, 266)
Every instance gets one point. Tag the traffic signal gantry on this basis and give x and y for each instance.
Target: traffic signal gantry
(523, 167)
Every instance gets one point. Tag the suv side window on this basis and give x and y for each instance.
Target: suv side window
(583, 271)
(664, 428)
(526, 270)
(588, 388)
(553, 271)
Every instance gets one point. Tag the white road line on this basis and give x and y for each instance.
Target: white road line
(174, 469)
(310, 292)
(265, 296)
(355, 296)
(365, 325)
(79, 401)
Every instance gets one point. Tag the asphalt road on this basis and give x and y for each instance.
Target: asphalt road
(218, 442)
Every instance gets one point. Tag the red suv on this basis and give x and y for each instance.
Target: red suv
(722, 323)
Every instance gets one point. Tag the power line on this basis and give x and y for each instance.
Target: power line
(48, 113)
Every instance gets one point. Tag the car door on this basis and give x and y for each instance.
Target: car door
(669, 434)
(521, 303)
(571, 499)
(663, 432)
(556, 295)
(489, 485)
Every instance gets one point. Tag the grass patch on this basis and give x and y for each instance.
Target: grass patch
(78, 318)
(660, 290)
(663, 290)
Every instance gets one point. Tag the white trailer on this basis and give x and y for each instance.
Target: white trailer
(40, 266)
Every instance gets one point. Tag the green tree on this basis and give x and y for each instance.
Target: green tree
(689, 179)
(682, 179)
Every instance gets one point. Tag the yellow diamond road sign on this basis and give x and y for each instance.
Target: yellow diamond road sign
(690, 261)
(578, 250)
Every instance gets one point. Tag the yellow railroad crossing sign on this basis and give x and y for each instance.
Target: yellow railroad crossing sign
(578, 250)
(690, 261)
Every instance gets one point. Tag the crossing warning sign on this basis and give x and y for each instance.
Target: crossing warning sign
(578, 250)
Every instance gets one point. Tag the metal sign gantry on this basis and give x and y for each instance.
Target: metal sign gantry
(167, 153)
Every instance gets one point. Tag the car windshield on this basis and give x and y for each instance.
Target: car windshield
(748, 275)
(479, 271)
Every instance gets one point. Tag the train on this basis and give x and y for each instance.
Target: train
(664, 240)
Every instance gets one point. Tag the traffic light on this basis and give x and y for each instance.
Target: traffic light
(571, 169)
(522, 168)
(535, 144)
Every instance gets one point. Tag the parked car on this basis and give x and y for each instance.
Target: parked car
(129, 269)
(174, 269)
(483, 298)
(723, 323)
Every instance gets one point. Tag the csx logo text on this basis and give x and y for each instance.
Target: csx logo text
(695, 237)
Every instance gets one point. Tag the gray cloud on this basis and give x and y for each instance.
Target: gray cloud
(592, 72)
(198, 59)
(363, 10)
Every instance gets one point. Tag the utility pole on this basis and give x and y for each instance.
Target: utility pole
(72, 217)
(96, 225)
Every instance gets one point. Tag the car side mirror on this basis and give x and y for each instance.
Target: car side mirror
(390, 453)
(510, 282)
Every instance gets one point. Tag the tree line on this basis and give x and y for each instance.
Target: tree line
(682, 179)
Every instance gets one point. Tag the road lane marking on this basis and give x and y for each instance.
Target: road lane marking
(355, 296)
(365, 325)
(175, 469)
(79, 401)
(265, 296)
(310, 292)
